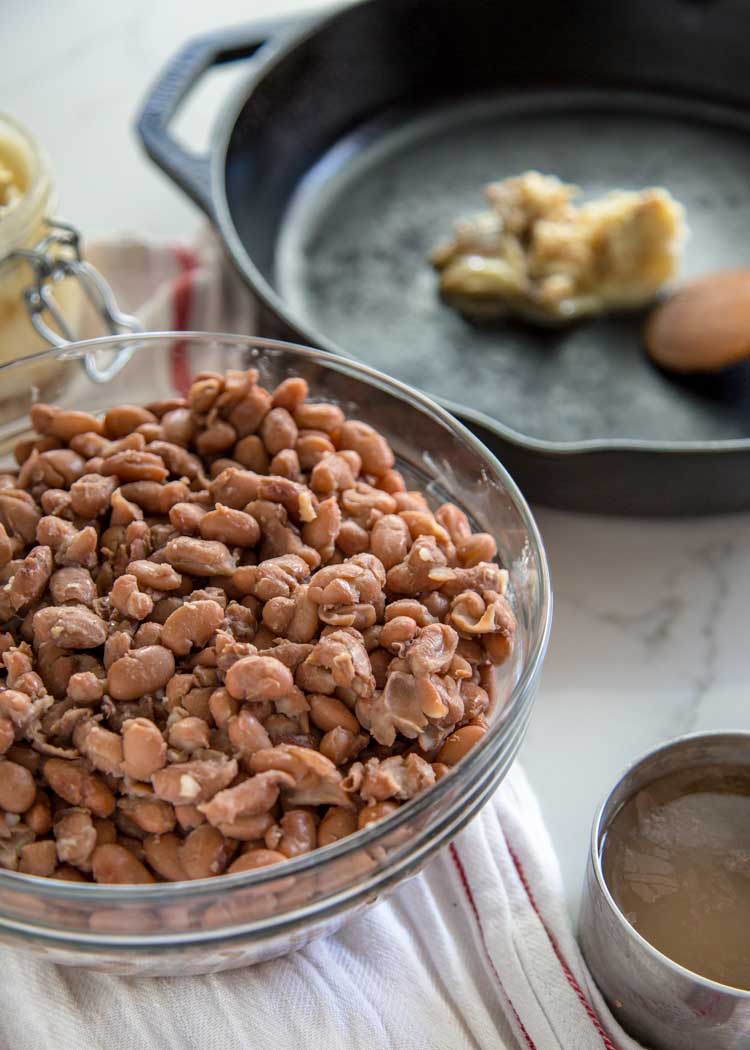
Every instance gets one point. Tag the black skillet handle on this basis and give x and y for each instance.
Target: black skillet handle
(192, 171)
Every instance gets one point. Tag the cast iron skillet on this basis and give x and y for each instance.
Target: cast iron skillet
(359, 138)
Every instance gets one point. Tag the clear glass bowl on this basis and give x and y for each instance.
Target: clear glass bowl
(235, 920)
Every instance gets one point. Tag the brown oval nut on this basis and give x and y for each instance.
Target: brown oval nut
(459, 744)
(144, 748)
(115, 864)
(704, 326)
(193, 624)
(91, 495)
(231, 526)
(162, 854)
(69, 627)
(259, 678)
(73, 782)
(190, 783)
(140, 672)
(199, 557)
(157, 576)
(375, 452)
(17, 787)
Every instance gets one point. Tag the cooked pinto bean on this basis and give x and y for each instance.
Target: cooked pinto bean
(72, 584)
(38, 858)
(192, 624)
(70, 627)
(230, 526)
(204, 853)
(115, 864)
(140, 672)
(259, 678)
(335, 825)
(144, 749)
(73, 782)
(91, 495)
(199, 557)
(162, 853)
(459, 744)
(255, 858)
(17, 787)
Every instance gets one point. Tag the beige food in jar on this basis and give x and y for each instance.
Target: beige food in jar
(206, 668)
(538, 256)
(26, 202)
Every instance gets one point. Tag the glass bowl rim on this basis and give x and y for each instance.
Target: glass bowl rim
(471, 763)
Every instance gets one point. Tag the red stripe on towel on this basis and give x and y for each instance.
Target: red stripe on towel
(182, 301)
(607, 1042)
(470, 897)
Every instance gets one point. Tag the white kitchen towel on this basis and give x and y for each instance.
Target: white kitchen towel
(476, 951)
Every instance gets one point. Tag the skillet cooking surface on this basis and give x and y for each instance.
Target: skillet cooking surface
(351, 256)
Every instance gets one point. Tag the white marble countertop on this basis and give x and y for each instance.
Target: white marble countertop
(649, 639)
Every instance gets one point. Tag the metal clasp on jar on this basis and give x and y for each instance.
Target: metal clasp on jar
(58, 256)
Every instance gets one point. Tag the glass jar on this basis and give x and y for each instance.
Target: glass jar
(27, 198)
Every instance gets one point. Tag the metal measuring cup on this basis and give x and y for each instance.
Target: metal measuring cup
(658, 1001)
